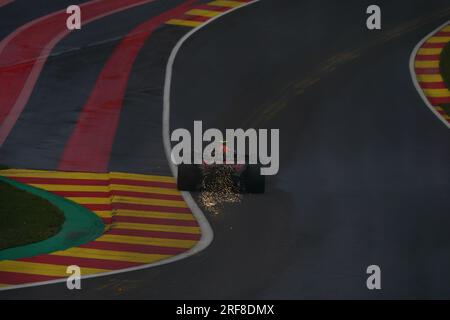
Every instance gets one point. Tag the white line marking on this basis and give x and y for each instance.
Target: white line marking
(207, 233)
(414, 76)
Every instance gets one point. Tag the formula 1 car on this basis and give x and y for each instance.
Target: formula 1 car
(245, 177)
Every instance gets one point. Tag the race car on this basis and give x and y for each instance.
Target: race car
(244, 177)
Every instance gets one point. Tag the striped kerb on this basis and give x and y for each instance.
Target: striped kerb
(146, 220)
(428, 74)
(200, 14)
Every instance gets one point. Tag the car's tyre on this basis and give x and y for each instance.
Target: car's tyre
(189, 177)
(253, 180)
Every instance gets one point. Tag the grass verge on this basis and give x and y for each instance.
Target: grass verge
(26, 218)
(444, 64)
(446, 108)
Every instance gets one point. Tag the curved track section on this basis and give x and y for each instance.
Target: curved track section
(364, 164)
(90, 149)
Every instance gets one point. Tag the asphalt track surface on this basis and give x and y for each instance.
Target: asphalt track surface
(364, 163)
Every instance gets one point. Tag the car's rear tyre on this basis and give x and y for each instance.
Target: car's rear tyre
(189, 177)
(253, 180)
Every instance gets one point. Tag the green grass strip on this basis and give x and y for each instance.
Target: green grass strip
(80, 226)
(26, 218)
(444, 64)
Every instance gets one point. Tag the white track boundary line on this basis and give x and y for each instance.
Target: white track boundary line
(207, 232)
(412, 71)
